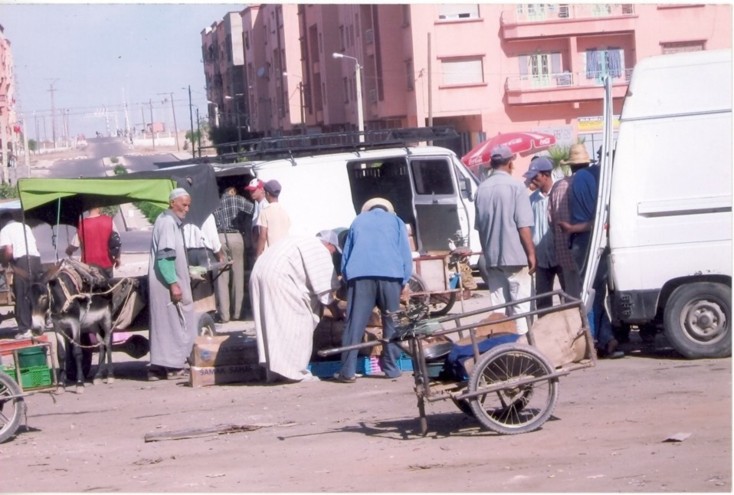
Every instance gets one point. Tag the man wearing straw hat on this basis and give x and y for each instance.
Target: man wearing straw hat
(173, 322)
(376, 265)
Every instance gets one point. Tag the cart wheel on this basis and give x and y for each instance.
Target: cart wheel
(206, 325)
(441, 304)
(438, 304)
(513, 409)
(463, 406)
(12, 408)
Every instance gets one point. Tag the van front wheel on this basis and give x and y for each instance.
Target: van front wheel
(698, 320)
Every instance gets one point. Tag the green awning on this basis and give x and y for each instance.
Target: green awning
(66, 199)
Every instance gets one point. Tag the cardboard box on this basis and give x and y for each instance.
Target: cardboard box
(203, 376)
(232, 349)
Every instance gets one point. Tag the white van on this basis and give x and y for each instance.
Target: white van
(670, 216)
(431, 190)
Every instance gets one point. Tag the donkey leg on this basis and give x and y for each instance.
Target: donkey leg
(77, 345)
(60, 359)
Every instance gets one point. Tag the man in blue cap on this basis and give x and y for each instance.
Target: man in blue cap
(540, 175)
(504, 220)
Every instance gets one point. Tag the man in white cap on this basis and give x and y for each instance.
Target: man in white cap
(376, 265)
(504, 219)
(274, 223)
(288, 285)
(172, 318)
(540, 175)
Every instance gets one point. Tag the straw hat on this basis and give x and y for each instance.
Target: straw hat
(578, 156)
(369, 204)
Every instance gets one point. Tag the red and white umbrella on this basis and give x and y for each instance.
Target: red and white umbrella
(518, 142)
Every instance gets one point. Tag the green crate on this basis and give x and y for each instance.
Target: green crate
(8, 370)
(32, 357)
(35, 377)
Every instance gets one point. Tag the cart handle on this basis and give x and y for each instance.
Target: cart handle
(363, 345)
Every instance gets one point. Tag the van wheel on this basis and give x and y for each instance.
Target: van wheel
(206, 325)
(698, 320)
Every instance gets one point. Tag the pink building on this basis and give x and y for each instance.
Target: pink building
(9, 128)
(480, 68)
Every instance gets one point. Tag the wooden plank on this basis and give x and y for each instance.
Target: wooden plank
(206, 432)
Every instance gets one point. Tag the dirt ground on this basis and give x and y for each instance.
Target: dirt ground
(608, 433)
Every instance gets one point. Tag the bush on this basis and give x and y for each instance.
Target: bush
(119, 170)
(8, 191)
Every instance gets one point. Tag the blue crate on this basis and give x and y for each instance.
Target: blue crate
(369, 366)
(324, 369)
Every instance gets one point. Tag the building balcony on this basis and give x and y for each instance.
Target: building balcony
(562, 87)
(554, 20)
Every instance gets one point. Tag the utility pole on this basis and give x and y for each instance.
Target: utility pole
(198, 130)
(152, 124)
(191, 117)
(52, 90)
(175, 127)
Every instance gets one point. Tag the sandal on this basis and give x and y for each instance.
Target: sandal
(177, 374)
(344, 379)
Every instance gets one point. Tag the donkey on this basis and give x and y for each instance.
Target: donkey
(78, 298)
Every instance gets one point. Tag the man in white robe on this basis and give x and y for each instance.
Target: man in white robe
(173, 321)
(288, 284)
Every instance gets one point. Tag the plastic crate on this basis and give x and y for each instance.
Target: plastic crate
(32, 357)
(371, 365)
(324, 369)
(35, 377)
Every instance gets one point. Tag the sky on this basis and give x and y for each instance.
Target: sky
(97, 56)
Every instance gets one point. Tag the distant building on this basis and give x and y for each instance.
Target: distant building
(481, 68)
(9, 127)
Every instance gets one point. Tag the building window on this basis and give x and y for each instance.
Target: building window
(406, 14)
(451, 11)
(541, 11)
(345, 83)
(682, 46)
(604, 61)
(409, 75)
(539, 69)
(342, 38)
(462, 71)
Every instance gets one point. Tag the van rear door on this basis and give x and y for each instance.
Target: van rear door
(440, 215)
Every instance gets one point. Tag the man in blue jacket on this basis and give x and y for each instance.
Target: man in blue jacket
(376, 265)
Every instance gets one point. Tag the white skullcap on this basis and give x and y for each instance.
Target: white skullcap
(177, 193)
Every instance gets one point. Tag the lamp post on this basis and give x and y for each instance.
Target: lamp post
(191, 118)
(300, 91)
(358, 76)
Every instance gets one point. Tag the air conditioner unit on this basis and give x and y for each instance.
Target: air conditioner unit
(369, 36)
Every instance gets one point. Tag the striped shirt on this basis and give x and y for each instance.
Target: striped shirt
(559, 211)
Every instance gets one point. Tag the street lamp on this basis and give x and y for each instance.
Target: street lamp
(358, 76)
(300, 90)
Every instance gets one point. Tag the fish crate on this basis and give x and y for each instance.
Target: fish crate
(370, 366)
(35, 377)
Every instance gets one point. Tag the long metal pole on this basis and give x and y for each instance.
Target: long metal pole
(191, 117)
(360, 110)
(198, 130)
(152, 124)
(303, 120)
(175, 127)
